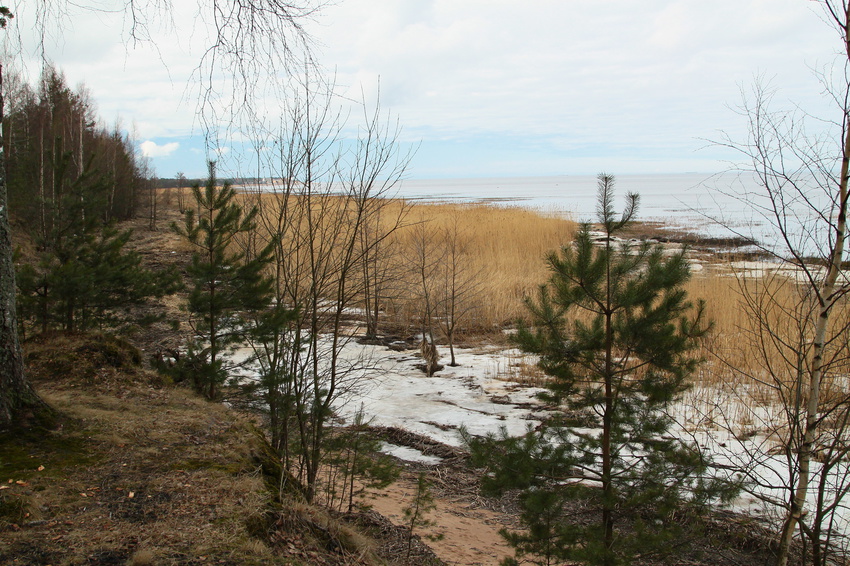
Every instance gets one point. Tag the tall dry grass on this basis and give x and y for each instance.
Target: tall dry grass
(504, 249)
(761, 319)
(761, 347)
(500, 252)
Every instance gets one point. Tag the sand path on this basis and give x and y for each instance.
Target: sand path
(470, 537)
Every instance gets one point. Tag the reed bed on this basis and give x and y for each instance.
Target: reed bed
(500, 253)
(760, 349)
(501, 248)
(497, 254)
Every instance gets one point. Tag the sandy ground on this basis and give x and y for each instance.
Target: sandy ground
(470, 537)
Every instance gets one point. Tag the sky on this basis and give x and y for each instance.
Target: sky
(485, 88)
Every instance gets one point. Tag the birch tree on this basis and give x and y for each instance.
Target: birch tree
(327, 191)
(800, 165)
(15, 392)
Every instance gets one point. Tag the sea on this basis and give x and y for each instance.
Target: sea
(679, 199)
(721, 205)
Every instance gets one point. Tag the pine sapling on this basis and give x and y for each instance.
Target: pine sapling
(416, 514)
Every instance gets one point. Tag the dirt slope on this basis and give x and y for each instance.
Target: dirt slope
(130, 471)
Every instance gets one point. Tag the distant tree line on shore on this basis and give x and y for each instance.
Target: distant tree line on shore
(184, 182)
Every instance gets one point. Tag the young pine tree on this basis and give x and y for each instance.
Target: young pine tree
(416, 514)
(615, 332)
(82, 275)
(225, 283)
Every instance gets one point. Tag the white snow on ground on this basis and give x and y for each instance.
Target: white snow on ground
(480, 395)
(409, 454)
(391, 391)
(399, 394)
(435, 407)
(733, 428)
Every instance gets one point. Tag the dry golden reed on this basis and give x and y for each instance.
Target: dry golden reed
(503, 249)
(503, 246)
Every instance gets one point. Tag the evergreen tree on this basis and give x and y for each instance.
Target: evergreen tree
(416, 514)
(615, 333)
(358, 464)
(225, 283)
(83, 276)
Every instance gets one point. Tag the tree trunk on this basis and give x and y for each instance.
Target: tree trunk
(15, 391)
(826, 297)
(608, 417)
(607, 422)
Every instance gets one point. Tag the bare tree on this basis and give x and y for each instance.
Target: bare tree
(425, 256)
(314, 217)
(381, 272)
(760, 405)
(247, 47)
(459, 284)
(803, 194)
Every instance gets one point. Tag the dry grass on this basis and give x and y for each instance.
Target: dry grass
(760, 348)
(132, 472)
(148, 476)
(502, 250)
(519, 367)
(502, 247)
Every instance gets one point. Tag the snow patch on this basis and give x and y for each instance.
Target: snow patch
(409, 454)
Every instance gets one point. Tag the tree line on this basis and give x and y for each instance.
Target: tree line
(69, 181)
(57, 149)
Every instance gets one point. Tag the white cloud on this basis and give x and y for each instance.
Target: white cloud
(152, 149)
(584, 73)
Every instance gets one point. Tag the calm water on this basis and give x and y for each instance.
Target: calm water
(681, 201)
(710, 205)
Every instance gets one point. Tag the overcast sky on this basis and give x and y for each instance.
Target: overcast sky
(491, 88)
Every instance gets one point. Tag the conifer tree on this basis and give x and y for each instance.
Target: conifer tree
(615, 333)
(225, 283)
(83, 276)
(416, 514)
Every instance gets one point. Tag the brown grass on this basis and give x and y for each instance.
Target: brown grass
(504, 248)
(129, 471)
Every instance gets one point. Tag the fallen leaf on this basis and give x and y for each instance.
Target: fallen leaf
(21, 482)
(131, 495)
(4, 487)
(40, 468)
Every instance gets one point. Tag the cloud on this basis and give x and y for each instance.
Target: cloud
(151, 149)
(609, 75)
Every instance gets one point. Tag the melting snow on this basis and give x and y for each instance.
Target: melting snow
(409, 454)
(390, 390)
